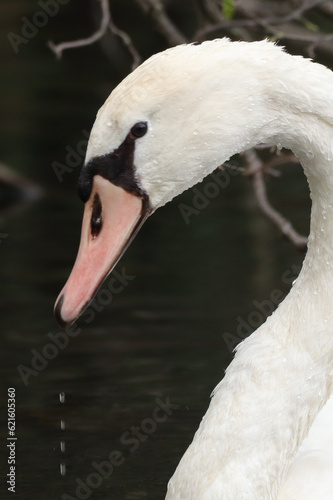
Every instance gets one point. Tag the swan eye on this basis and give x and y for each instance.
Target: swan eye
(139, 129)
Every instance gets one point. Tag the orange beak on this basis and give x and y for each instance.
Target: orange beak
(111, 219)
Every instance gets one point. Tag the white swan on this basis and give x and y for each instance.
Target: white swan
(166, 126)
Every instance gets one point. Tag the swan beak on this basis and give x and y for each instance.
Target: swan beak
(111, 219)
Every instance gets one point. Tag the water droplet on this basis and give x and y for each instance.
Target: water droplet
(279, 146)
(61, 397)
(62, 446)
(62, 424)
(63, 469)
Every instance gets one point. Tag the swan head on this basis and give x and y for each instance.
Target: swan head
(163, 129)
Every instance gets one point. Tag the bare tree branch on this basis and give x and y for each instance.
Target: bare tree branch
(28, 190)
(58, 49)
(285, 226)
(127, 42)
(213, 9)
(314, 41)
(251, 20)
(106, 23)
(291, 16)
(156, 9)
(277, 26)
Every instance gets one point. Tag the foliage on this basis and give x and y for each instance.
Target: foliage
(228, 9)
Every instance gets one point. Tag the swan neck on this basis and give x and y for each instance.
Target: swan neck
(281, 375)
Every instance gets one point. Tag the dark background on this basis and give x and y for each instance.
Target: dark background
(164, 336)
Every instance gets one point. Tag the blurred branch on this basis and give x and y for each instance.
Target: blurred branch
(291, 16)
(312, 39)
(174, 36)
(20, 192)
(127, 42)
(106, 23)
(252, 21)
(164, 24)
(59, 48)
(213, 9)
(28, 189)
(256, 172)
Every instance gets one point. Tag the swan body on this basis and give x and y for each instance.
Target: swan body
(268, 432)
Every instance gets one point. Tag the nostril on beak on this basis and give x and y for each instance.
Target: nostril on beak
(96, 221)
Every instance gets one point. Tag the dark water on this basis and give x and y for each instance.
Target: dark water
(136, 379)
